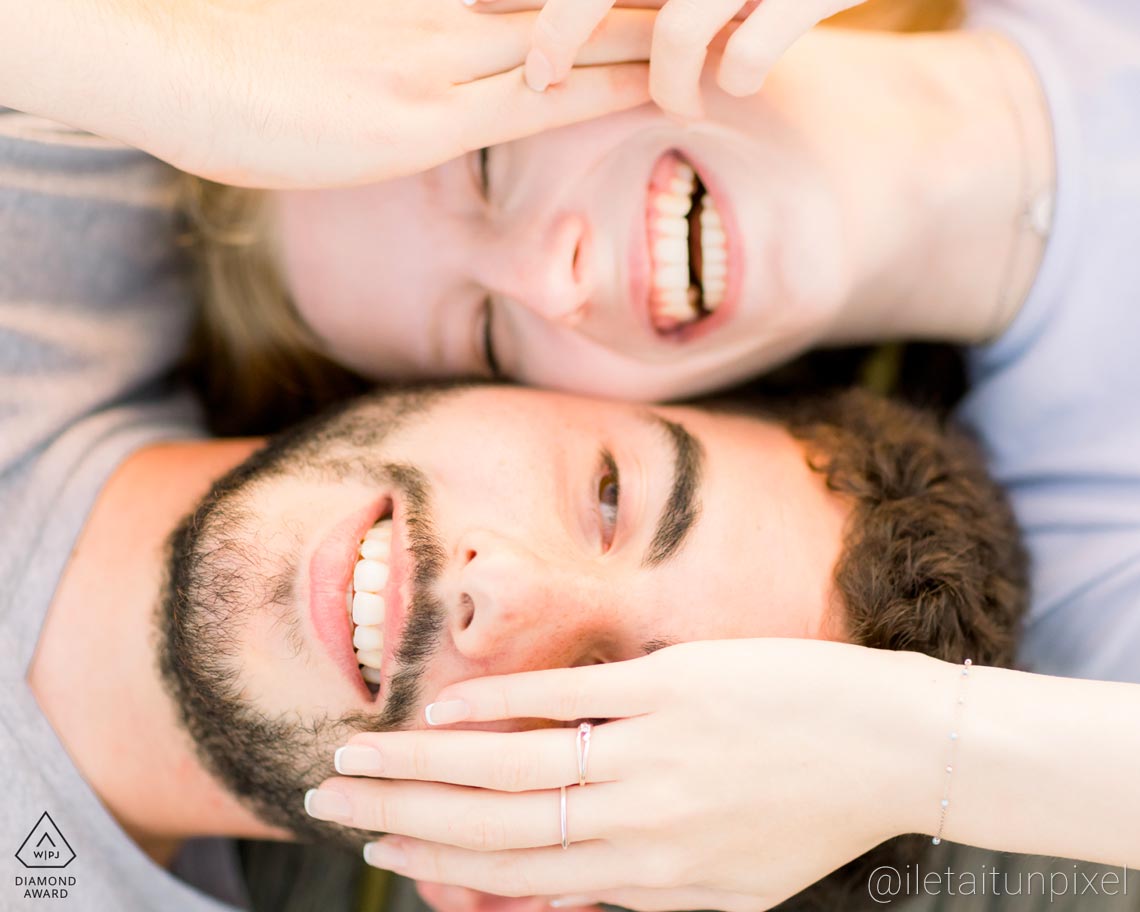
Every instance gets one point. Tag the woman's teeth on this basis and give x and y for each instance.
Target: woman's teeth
(366, 600)
(688, 247)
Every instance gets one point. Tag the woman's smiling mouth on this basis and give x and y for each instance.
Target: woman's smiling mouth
(688, 247)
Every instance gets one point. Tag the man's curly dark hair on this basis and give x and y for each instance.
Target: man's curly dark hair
(932, 558)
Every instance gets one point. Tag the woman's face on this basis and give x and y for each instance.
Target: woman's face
(628, 256)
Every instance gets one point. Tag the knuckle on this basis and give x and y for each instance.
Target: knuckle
(488, 834)
(677, 28)
(510, 880)
(550, 35)
(658, 872)
(506, 702)
(380, 816)
(570, 701)
(419, 759)
(515, 772)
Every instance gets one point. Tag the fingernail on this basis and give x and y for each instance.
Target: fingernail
(446, 712)
(567, 902)
(470, 2)
(539, 71)
(384, 854)
(326, 805)
(356, 760)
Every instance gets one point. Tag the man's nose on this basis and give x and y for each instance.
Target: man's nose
(511, 602)
(545, 268)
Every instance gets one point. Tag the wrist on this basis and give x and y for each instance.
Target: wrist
(925, 697)
(143, 74)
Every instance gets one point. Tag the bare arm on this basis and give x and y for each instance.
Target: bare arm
(1044, 765)
(284, 94)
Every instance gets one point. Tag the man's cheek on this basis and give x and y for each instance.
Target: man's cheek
(460, 899)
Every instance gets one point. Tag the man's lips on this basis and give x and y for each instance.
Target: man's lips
(398, 594)
(330, 575)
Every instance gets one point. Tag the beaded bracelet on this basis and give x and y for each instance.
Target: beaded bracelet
(959, 708)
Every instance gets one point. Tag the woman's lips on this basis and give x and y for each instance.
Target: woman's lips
(685, 270)
(736, 257)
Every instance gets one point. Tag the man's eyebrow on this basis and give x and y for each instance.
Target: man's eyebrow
(683, 506)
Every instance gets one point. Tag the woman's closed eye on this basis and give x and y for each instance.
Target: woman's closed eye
(479, 164)
(485, 327)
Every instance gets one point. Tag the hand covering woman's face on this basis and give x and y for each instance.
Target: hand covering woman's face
(590, 258)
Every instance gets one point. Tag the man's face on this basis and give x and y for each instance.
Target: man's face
(529, 530)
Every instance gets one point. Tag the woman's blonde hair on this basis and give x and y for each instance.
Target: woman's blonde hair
(254, 361)
(256, 364)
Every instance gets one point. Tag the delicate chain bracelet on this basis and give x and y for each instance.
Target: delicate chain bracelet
(959, 708)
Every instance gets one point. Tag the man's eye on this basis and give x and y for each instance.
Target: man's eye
(609, 493)
(487, 339)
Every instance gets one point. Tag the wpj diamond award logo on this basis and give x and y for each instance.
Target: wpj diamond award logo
(45, 846)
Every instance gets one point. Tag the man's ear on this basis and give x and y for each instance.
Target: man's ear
(459, 899)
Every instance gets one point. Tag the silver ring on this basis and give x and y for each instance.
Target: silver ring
(562, 817)
(583, 750)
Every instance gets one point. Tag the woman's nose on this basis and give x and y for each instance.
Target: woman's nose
(511, 601)
(548, 269)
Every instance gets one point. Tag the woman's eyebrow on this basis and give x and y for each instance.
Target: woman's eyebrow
(683, 506)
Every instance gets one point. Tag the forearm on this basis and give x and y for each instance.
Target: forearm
(124, 69)
(1042, 765)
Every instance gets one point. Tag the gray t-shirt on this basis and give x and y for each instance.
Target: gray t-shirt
(94, 311)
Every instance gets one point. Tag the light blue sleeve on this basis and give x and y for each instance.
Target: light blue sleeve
(1056, 400)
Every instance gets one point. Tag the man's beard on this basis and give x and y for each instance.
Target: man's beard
(218, 576)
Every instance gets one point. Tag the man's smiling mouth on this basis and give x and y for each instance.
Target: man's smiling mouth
(688, 247)
(366, 603)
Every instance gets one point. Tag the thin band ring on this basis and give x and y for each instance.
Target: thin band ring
(583, 750)
(562, 818)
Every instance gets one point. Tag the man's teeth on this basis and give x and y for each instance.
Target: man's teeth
(366, 600)
(675, 299)
(371, 675)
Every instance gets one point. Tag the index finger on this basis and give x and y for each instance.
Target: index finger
(498, 44)
(612, 691)
(504, 761)
(501, 108)
(560, 30)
